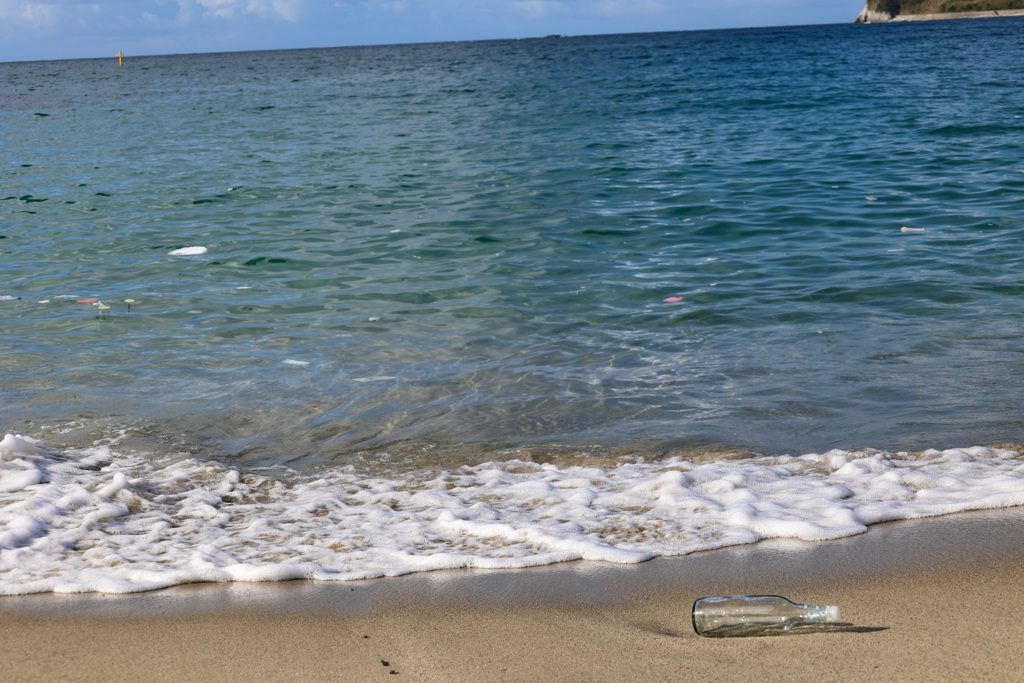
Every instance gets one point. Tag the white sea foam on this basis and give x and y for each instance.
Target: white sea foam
(98, 519)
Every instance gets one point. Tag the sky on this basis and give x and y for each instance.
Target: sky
(72, 29)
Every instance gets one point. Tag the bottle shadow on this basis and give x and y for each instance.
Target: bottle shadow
(806, 630)
(838, 627)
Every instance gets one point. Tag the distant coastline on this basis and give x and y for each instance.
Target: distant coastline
(888, 11)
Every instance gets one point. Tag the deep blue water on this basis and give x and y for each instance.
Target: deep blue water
(469, 246)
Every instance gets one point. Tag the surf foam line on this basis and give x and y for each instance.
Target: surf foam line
(80, 520)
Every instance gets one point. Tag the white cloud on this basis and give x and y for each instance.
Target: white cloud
(17, 14)
(543, 9)
(77, 18)
(539, 9)
(611, 8)
(42, 29)
(288, 10)
(219, 8)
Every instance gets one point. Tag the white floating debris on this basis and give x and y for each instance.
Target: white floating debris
(8, 297)
(373, 318)
(375, 378)
(188, 251)
(906, 229)
(295, 362)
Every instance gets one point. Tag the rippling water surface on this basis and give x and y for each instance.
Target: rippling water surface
(632, 247)
(475, 242)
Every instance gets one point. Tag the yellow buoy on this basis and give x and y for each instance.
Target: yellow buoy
(120, 58)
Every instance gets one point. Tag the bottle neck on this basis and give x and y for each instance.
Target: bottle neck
(817, 614)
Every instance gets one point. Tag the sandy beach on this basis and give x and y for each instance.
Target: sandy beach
(924, 599)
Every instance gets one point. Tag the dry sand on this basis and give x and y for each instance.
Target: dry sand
(937, 599)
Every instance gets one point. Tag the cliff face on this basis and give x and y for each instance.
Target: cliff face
(901, 10)
(870, 16)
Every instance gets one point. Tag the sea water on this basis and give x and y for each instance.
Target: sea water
(355, 312)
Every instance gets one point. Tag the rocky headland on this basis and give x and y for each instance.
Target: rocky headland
(880, 11)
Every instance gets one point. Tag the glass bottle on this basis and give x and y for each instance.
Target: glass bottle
(755, 615)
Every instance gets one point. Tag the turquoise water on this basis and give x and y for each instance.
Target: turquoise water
(775, 240)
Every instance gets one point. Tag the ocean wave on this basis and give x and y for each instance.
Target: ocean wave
(110, 520)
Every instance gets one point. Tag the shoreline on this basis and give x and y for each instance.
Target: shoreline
(869, 17)
(916, 598)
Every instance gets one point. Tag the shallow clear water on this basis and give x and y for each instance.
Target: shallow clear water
(421, 257)
(493, 228)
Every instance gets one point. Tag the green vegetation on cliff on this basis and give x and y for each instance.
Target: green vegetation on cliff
(894, 7)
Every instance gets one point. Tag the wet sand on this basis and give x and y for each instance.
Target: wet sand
(937, 598)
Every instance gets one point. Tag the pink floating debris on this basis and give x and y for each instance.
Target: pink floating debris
(674, 299)
(86, 301)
